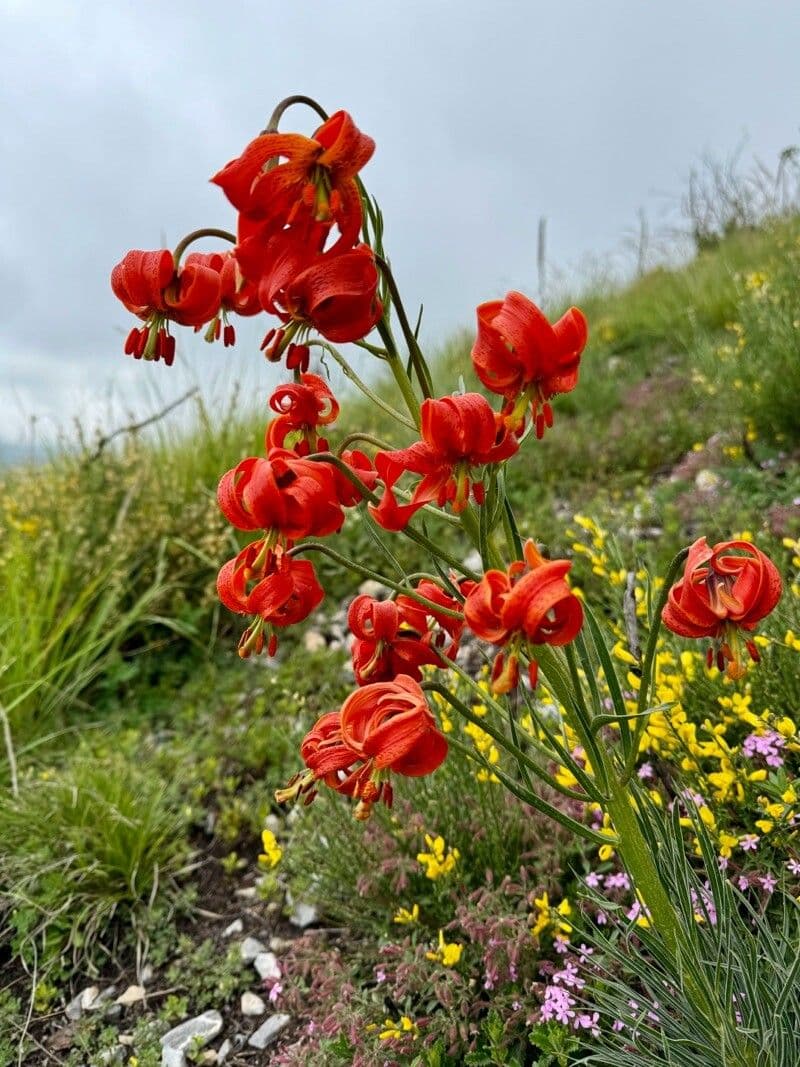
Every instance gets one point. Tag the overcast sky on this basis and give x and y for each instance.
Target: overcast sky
(487, 115)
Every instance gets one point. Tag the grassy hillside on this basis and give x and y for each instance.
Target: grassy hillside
(117, 667)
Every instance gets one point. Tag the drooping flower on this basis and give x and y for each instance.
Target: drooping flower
(459, 434)
(725, 589)
(290, 496)
(292, 180)
(151, 288)
(529, 603)
(385, 643)
(389, 727)
(381, 728)
(236, 296)
(524, 358)
(278, 590)
(335, 293)
(302, 407)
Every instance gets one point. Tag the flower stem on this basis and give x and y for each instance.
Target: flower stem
(286, 103)
(365, 389)
(197, 235)
(367, 572)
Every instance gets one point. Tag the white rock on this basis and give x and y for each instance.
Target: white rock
(377, 590)
(314, 641)
(267, 1033)
(132, 995)
(236, 927)
(303, 915)
(252, 1004)
(224, 1050)
(707, 481)
(250, 948)
(194, 1033)
(101, 999)
(125, 1039)
(473, 561)
(266, 963)
(274, 823)
(249, 892)
(147, 974)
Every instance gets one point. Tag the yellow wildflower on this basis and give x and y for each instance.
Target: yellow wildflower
(271, 856)
(394, 1031)
(448, 953)
(404, 917)
(439, 860)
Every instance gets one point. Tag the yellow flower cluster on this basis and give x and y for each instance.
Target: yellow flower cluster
(271, 856)
(447, 953)
(549, 919)
(393, 1031)
(404, 917)
(439, 860)
(595, 548)
(486, 746)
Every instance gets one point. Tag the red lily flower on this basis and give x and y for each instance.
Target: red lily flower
(302, 406)
(236, 295)
(286, 591)
(383, 727)
(533, 605)
(315, 182)
(389, 726)
(385, 643)
(334, 293)
(724, 590)
(458, 433)
(149, 286)
(519, 354)
(418, 616)
(347, 493)
(285, 494)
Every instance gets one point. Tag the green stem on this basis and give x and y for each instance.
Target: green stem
(522, 758)
(367, 572)
(368, 437)
(639, 861)
(414, 351)
(286, 103)
(354, 378)
(197, 235)
(404, 383)
(649, 658)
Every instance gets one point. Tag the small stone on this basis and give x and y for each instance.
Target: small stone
(194, 1033)
(314, 641)
(132, 995)
(224, 1050)
(112, 1055)
(706, 481)
(267, 1033)
(266, 963)
(125, 1039)
(147, 974)
(280, 944)
(473, 561)
(236, 927)
(377, 590)
(209, 1056)
(303, 915)
(249, 892)
(252, 1004)
(250, 948)
(101, 999)
(274, 823)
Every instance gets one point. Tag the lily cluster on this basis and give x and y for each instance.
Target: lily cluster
(307, 251)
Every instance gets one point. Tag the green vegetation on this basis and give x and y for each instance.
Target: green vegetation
(140, 756)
